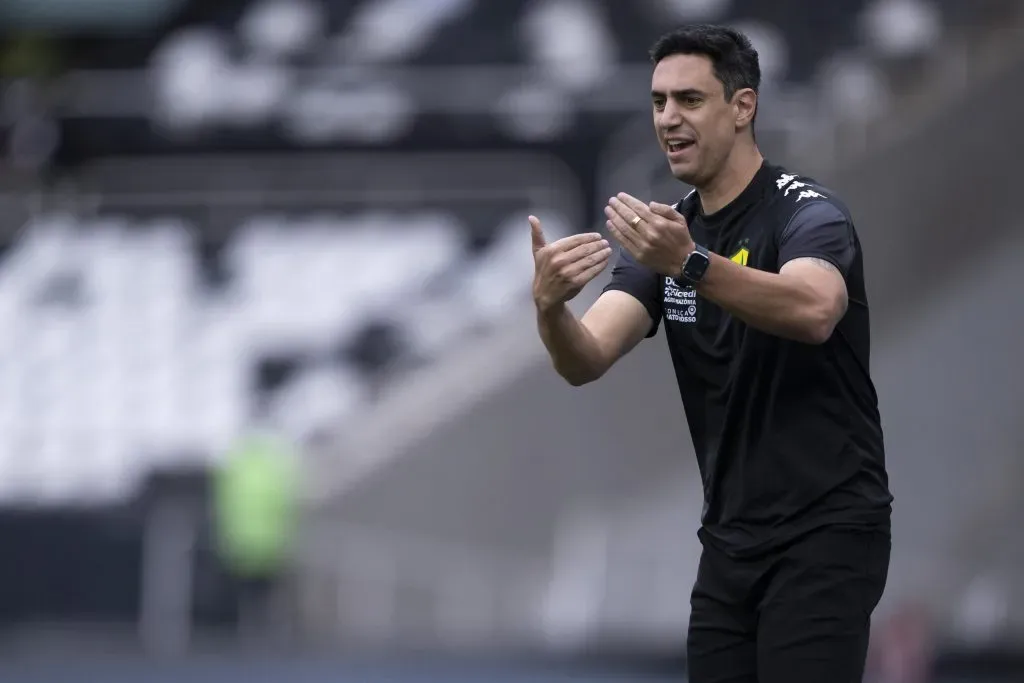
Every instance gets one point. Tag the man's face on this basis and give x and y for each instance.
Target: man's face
(696, 125)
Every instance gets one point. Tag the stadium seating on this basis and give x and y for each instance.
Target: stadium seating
(120, 354)
(329, 71)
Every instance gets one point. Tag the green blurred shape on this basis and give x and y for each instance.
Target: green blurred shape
(256, 506)
(29, 55)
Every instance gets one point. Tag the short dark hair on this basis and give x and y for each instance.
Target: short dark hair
(732, 56)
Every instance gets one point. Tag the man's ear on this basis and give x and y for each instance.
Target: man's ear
(745, 102)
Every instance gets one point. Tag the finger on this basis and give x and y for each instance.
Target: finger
(637, 207)
(567, 263)
(638, 223)
(536, 234)
(584, 250)
(621, 209)
(590, 273)
(585, 263)
(665, 211)
(572, 241)
(622, 230)
(624, 239)
(618, 229)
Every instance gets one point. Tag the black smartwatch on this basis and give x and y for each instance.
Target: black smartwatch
(696, 265)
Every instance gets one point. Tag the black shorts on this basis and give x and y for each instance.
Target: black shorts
(799, 615)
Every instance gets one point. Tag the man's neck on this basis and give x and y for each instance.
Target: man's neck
(739, 170)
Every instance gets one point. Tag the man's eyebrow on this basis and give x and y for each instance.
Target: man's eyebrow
(679, 94)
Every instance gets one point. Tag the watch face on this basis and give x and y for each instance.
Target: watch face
(695, 267)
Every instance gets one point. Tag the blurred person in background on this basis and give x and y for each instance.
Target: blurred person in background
(28, 66)
(256, 515)
(903, 652)
(758, 276)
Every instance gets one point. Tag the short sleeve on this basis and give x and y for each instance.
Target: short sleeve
(639, 282)
(819, 230)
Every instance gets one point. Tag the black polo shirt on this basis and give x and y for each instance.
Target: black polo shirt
(787, 435)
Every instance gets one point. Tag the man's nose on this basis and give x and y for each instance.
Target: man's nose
(671, 117)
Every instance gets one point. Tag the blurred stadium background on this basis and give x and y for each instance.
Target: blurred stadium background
(242, 240)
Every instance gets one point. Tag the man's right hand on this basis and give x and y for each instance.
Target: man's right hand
(564, 267)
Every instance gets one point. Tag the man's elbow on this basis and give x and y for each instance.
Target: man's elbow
(821, 322)
(578, 374)
(817, 333)
(579, 378)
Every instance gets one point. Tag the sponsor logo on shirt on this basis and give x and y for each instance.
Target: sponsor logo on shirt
(789, 183)
(742, 253)
(741, 256)
(680, 303)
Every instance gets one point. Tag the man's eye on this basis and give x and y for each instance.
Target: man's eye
(691, 101)
(659, 104)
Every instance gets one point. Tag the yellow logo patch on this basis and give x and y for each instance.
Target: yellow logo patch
(741, 257)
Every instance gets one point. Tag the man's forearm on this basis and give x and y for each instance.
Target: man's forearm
(779, 305)
(574, 352)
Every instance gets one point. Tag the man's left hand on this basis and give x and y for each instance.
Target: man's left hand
(661, 238)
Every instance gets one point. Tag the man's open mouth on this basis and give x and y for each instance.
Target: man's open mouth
(678, 145)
